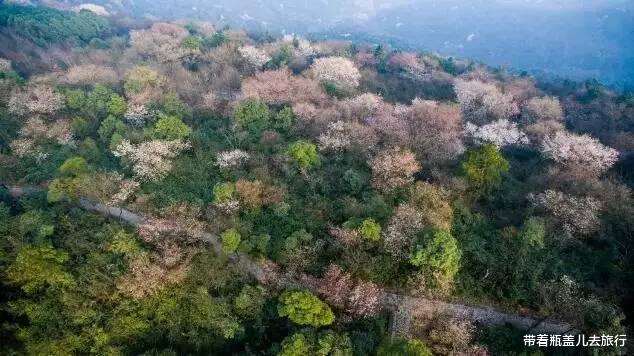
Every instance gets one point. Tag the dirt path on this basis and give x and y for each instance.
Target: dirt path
(404, 308)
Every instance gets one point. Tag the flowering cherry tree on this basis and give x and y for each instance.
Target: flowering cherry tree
(280, 87)
(575, 215)
(35, 99)
(542, 109)
(364, 300)
(482, 100)
(161, 42)
(89, 74)
(337, 70)
(336, 137)
(500, 133)
(254, 56)
(228, 159)
(393, 168)
(400, 234)
(150, 160)
(583, 151)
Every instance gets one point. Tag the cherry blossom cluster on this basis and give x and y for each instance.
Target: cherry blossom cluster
(480, 100)
(583, 151)
(35, 99)
(301, 46)
(500, 133)
(336, 137)
(234, 158)
(338, 71)
(88, 74)
(139, 114)
(254, 56)
(401, 232)
(393, 168)
(150, 160)
(162, 42)
(338, 288)
(575, 215)
(281, 87)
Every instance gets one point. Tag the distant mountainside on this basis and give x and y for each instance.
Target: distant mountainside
(573, 39)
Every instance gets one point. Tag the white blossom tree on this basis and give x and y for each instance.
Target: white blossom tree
(254, 56)
(139, 114)
(582, 151)
(228, 159)
(35, 99)
(575, 215)
(400, 234)
(336, 137)
(542, 109)
(500, 133)
(150, 160)
(5, 65)
(337, 70)
(481, 101)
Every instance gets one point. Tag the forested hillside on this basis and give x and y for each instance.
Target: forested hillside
(278, 192)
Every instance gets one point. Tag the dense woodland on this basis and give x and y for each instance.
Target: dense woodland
(361, 169)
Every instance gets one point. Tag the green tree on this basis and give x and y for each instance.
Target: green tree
(171, 128)
(214, 40)
(140, 78)
(533, 232)
(230, 240)
(81, 127)
(326, 343)
(283, 119)
(192, 42)
(224, 192)
(117, 106)
(253, 116)
(304, 154)
(404, 348)
(110, 126)
(67, 186)
(36, 267)
(304, 308)
(73, 167)
(295, 345)
(172, 105)
(250, 302)
(483, 167)
(370, 230)
(438, 257)
(63, 189)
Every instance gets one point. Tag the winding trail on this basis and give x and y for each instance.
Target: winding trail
(403, 308)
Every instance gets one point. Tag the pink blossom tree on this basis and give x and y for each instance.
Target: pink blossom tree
(393, 168)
